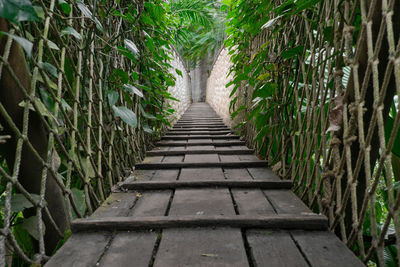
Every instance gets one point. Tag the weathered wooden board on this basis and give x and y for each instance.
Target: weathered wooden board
(206, 183)
(195, 141)
(151, 204)
(191, 174)
(283, 221)
(240, 164)
(199, 137)
(237, 174)
(173, 159)
(201, 158)
(200, 150)
(117, 204)
(202, 202)
(166, 175)
(229, 158)
(325, 249)
(274, 249)
(262, 174)
(81, 250)
(130, 249)
(201, 247)
(252, 202)
(286, 202)
(153, 159)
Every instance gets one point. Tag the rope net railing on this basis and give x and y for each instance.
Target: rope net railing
(83, 92)
(316, 86)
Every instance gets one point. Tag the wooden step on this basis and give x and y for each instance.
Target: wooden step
(184, 137)
(199, 129)
(178, 165)
(309, 221)
(227, 143)
(199, 132)
(205, 151)
(163, 185)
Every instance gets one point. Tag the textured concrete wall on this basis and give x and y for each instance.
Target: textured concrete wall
(182, 89)
(217, 94)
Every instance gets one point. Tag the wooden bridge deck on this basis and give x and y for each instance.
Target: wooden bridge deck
(201, 198)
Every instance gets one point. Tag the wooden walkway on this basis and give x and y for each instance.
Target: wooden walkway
(201, 198)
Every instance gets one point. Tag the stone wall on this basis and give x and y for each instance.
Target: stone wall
(182, 89)
(217, 94)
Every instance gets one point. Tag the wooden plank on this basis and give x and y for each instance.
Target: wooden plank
(81, 250)
(286, 202)
(201, 247)
(279, 221)
(199, 141)
(193, 174)
(184, 137)
(199, 129)
(241, 164)
(166, 175)
(198, 183)
(142, 175)
(172, 159)
(325, 249)
(262, 174)
(252, 202)
(153, 159)
(203, 147)
(117, 204)
(202, 202)
(199, 132)
(237, 174)
(151, 204)
(201, 158)
(274, 249)
(200, 151)
(229, 158)
(130, 248)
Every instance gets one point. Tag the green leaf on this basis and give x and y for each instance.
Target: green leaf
(127, 115)
(270, 23)
(132, 89)
(71, 31)
(50, 68)
(131, 47)
(79, 198)
(267, 90)
(52, 45)
(18, 10)
(147, 129)
(26, 44)
(298, 50)
(112, 98)
(65, 7)
(87, 13)
(18, 202)
(178, 72)
(31, 225)
(305, 4)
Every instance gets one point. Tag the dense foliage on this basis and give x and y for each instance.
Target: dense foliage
(291, 69)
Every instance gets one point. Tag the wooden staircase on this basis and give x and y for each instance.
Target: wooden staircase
(202, 198)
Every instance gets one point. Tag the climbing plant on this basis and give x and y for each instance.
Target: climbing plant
(315, 89)
(84, 92)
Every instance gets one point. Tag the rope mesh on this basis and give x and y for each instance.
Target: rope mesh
(333, 123)
(76, 71)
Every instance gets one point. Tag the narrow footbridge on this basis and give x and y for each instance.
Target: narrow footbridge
(202, 198)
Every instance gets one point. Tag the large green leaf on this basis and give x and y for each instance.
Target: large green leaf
(26, 44)
(79, 198)
(127, 115)
(132, 89)
(19, 202)
(18, 10)
(31, 225)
